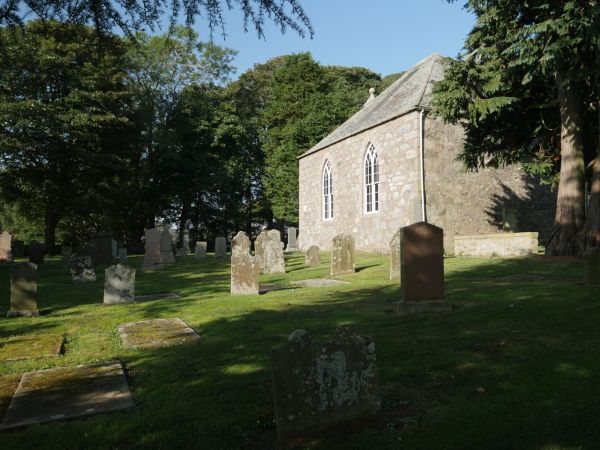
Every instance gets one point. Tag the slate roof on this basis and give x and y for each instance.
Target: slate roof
(407, 93)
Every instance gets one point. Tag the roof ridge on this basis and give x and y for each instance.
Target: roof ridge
(427, 81)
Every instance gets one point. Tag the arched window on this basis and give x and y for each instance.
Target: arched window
(371, 181)
(327, 192)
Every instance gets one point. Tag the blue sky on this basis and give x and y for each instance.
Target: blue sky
(385, 36)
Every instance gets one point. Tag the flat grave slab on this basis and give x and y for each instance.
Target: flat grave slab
(156, 333)
(162, 296)
(8, 386)
(31, 347)
(319, 282)
(266, 287)
(66, 393)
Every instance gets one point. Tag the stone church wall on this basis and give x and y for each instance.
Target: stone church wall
(460, 202)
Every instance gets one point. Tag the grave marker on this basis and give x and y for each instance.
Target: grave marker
(152, 255)
(6, 247)
(292, 243)
(18, 248)
(200, 250)
(273, 253)
(156, 333)
(82, 269)
(36, 253)
(101, 250)
(119, 284)
(313, 256)
(123, 255)
(244, 267)
(395, 256)
(220, 247)
(259, 252)
(342, 255)
(23, 290)
(166, 247)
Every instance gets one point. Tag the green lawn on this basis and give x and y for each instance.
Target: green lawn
(515, 366)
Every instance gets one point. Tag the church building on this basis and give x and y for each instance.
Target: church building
(392, 164)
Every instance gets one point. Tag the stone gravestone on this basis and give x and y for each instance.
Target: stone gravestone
(592, 266)
(317, 386)
(220, 247)
(36, 253)
(115, 249)
(23, 290)
(119, 284)
(66, 251)
(313, 256)
(395, 256)
(123, 255)
(422, 269)
(244, 267)
(510, 222)
(200, 250)
(292, 242)
(259, 252)
(101, 249)
(273, 253)
(6, 247)
(166, 247)
(342, 255)
(18, 249)
(186, 241)
(152, 254)
(82, 269)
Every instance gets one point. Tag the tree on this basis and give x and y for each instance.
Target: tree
(135, 15)
(515, 92)
(62, 115)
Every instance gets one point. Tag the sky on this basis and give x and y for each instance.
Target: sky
(386, 36)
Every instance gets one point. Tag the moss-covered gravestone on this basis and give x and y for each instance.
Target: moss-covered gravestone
(342, 255)
(274, 261)
(119, 284)
(592, 266)
(156, 333)
(244, 267)
(23, 290)
(313, 256)
(82, 269)
(152, 254)
(317, 386)
(259, 251)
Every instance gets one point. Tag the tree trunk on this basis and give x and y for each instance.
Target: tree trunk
(183, 218)
(570, 206)
(50, 223)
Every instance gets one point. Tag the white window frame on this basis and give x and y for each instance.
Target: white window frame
(327, 192)
(371, 175)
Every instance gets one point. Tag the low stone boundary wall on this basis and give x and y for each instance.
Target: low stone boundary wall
(497, 244)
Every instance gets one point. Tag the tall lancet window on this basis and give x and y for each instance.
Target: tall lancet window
(371, 181)
(327, 192)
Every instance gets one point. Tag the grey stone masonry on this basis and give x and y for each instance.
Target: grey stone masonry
(119, 284)
(244, 267)
(273, 253)
(342, 255)
(23, 290)
(317, 386)
(166, 247)
(152, 255)
(200, 250)
(292, 241)
(220, 247)
(313, 256)
(6, 247)
(82, 269)
(395, 256)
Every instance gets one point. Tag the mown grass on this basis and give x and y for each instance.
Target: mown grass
(515, 366)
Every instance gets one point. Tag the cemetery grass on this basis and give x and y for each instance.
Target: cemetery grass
(515, 366)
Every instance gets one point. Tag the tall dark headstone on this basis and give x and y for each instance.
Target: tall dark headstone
(23, 290)
(422, 269)
(18, 249)
(101, 248)
(317, 386)
(36, 253)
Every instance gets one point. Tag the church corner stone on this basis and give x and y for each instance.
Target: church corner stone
(119, 284)
(342, 255)
(317, 386)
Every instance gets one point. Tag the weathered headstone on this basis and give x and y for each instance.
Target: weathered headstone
(313, 256)
(186, 241)
(273, 253)
(119, 284)
(152, 255)
(395, 256)
(592, 266)
(6, 247)
(36, 253)
(317, 386)
(123, 255)
(292, 241)
(259, 252)
(342, 255)
(82, 269)
(221, 247)
(101, 249)
(166, 247)
(422, 269)
(18, 248)
(115, 249)
(200, 250)
(244, 267)
(23, 290)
